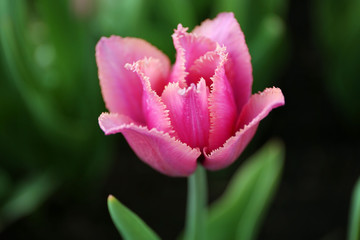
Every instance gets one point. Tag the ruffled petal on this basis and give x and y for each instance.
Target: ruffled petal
(257, 108)
(149, 70)
(159, 150)
(188, 111)
(122, 89)
(189, 47)
(224, 29)
(204, 67)
(222, 106)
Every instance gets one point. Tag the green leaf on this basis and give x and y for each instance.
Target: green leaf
(238, 214)
(129, 225)
(354, 226)
(42, 104)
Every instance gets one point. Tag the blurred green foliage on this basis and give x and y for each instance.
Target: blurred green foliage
(337, 31)
(50, 101)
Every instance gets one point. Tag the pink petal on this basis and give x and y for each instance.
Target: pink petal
(188, 111)
(224, 29)
(259, 105)
(122, 89)
(257, 108)
(150, 71)
(159, 150)
(204, 67)
(222, 106)
(188, 48)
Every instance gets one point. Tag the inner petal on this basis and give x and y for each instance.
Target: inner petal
(189, 47)
(224, 29)
(222, 106)
(188, 112)
(204, 67)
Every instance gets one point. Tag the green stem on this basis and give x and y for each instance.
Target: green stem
(196, 205)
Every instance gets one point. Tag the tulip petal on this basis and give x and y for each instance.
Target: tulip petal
(259, 106)
(149, 70)
(189, 47)
(222, 106)
(225, 30)
(256, 109)
(121, 89)
(204, 67)
(159, 150)
(188, 111)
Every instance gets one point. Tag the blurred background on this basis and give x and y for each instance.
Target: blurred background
(57, 167)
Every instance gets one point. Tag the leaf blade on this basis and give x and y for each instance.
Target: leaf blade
(261, 197)
(128, 224)
(354, 225)
(228, 215)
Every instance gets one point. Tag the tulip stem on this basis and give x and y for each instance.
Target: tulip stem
(196, 205)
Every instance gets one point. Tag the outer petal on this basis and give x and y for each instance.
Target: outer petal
(188, 111)
(257, 108)
(162, 152)
(189, 47)
(149, 71)
(224, 29)
(122, 89)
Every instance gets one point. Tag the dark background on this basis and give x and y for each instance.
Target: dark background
(314, 60)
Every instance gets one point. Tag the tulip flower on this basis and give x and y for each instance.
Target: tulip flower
(199, 110)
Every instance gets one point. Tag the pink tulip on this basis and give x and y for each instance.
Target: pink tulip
(201, 109)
